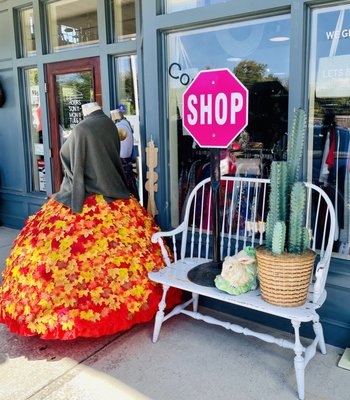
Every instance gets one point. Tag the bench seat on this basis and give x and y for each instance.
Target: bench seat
(176, 276)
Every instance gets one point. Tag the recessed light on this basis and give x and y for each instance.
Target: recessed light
(279, 39)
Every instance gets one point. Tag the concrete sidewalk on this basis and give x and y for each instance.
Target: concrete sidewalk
(191, 361)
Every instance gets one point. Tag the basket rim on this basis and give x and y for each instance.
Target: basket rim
(306, 254)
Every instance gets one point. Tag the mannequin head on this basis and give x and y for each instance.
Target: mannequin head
(116, 115)
(88, 108)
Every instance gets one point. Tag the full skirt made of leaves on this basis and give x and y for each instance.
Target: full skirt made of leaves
(84, 274)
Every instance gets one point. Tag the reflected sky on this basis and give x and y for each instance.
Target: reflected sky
(264, 41)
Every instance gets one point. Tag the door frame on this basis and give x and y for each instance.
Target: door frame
(52, 70)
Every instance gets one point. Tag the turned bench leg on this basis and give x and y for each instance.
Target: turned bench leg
(160, 314)
(299, 362)
(319, 334)
(195, 297)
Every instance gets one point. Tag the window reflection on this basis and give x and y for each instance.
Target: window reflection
(126, 73)
(179, 5)
(257, 52)
(127, 100)
(73, 90)
(329, 113)
(71, 23)
(27, 35)
(127, 103)
(35, 135)
(124, 21)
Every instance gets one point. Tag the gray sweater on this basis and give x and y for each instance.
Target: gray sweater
(91, 163)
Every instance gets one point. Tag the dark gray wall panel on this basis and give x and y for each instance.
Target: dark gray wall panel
(33, 207)
(14, 210)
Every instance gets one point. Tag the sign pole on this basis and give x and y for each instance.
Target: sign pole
(204, 274)
(215, 186)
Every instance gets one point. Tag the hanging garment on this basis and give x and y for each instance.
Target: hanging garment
(331, 152)
(324, 171)
(82, 274)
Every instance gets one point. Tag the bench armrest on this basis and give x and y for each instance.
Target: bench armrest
(171, 233)
(320, 282)
(158, 238)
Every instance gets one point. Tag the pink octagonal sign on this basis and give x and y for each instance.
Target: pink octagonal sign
(215, 108)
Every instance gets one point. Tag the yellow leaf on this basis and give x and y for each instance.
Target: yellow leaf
(123, 273)
(96, 292)
(60, 224)
(69, 302)
(67, 242)
(68, 326)
(37, 327)
(50, 287)
(10, 309)
(54, 256)
(82, 292)
(73, 313)
(45, 304)
(15, 272)
(87, 276)
(138, 291)
(89, 315)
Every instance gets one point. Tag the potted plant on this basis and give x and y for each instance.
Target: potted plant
(285, 262)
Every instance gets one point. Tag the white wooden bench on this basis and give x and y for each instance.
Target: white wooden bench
(243, 209)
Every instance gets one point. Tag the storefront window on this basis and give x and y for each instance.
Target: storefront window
(71, 23)
(126, 75)
(329, 114)
(257, 52)
(179, 5)
(127, 101)
(35, 135)
(124, 21)
(26, 34)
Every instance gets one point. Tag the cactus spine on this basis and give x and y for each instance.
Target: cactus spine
(296, 142)
(287, 219)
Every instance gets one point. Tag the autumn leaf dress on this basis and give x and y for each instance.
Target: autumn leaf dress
(83, 273)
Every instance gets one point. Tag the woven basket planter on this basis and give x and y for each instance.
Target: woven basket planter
(284, 279)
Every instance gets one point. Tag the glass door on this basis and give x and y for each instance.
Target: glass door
(69, 85)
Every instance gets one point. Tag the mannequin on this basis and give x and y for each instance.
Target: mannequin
(121, 122)
(79, 267)
(126, 148)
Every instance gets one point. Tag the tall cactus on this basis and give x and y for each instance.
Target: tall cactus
(296, 142)
(287, 208)
(278, 198)
(279, 238)
(297, 218)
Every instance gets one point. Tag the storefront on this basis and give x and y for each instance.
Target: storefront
(57, 55)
